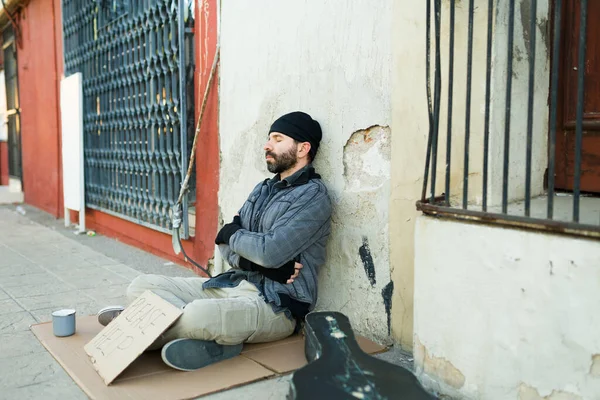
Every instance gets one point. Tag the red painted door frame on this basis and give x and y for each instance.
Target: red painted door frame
(207, 152)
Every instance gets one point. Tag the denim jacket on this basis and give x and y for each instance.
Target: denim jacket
(281, 220)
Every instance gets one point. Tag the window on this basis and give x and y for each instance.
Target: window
(514, 114)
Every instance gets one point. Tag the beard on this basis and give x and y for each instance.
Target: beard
(282, 162)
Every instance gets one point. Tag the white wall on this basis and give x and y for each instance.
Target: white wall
(331, 59)
(506, 314)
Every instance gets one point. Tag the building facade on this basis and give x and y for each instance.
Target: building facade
(459, 148)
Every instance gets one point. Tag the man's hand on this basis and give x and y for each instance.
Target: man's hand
(228, 230)
(285, 274)
(297, 268)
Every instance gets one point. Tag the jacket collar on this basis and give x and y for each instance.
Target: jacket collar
(300, 177)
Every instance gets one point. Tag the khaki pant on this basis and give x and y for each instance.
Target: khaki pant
(226, 315)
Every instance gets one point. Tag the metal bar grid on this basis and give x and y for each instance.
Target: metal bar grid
(137, 103)
(430, 202)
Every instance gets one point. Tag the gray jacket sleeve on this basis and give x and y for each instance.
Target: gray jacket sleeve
(232, 258)
(305, 221)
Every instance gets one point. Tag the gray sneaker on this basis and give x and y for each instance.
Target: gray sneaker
(107, 314)
(192, 354)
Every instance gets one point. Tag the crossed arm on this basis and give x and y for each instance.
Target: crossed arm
(286, 273)
(273, 253)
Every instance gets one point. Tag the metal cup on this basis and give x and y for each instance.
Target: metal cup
(63, 322)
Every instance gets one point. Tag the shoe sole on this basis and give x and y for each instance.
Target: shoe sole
(107, 314)
(191, 354)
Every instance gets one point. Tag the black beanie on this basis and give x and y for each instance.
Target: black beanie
(300, 126)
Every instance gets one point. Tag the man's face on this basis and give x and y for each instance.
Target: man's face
(281, 153)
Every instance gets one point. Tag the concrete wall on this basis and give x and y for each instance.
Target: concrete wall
(506, 314)
(331, 59)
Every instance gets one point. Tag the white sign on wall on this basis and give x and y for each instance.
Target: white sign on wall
(71, 112)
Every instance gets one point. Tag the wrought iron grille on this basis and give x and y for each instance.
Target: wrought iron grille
(136, 58)
(448, 198)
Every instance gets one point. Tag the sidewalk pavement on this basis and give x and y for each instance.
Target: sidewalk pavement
(44, 267)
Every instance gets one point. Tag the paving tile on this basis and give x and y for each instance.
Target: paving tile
(69, 246)
(100, 277)
(38, 249)
(9, 306)
(103, 294)
(15, 322)
(3, 295)
(66, 262)
(9, 257)
(43, 258)
(25, 237)
(19, 344)
(124, 271)
(29, 279)
(25, 242)
(69, 299)
(114, 301)
(63, 389)
(100, 260)
(19, 292)
(19, 269)
(30, 369)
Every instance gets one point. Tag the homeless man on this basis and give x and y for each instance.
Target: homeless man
(275, 245)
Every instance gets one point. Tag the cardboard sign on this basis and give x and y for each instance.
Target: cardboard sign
(128, 335)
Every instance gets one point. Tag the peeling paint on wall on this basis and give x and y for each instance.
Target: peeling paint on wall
(365, 255)
(527, 392)
(367, 158)
(436, 367)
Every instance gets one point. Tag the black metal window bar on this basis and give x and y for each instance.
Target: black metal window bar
(137, 62)
(443, 205)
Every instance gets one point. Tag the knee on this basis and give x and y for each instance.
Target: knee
(140, 284)
(201, 319)
(202, 310)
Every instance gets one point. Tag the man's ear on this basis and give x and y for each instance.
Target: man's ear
(304, 149)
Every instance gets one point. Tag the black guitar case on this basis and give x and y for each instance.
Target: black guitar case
(339, 369)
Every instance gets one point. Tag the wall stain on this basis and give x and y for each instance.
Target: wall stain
(542, 24)
(545, 32)
(437, 367)
(525, 24)
(386, 293)
(365, 256)
(527, 392)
